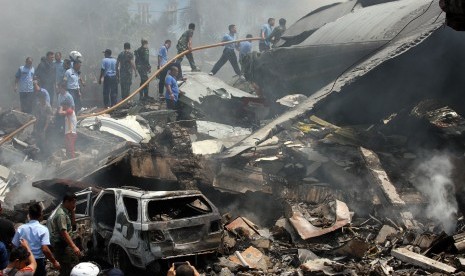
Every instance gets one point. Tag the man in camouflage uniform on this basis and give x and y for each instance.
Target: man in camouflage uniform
(185, 43)
(60, 226)
(143, 66)
(124, 66)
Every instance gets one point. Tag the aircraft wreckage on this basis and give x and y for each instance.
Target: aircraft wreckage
(362, 175)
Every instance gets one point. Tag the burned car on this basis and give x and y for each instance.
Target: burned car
(141, 227)
(136, 228)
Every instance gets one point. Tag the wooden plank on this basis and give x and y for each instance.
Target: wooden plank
(419, 260)
(460, 246)
(459, 237)
(322, 122)
(388, 195)
(379, 178)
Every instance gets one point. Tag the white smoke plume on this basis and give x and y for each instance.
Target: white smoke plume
(433, 178)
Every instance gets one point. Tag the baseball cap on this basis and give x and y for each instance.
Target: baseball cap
(107, 51)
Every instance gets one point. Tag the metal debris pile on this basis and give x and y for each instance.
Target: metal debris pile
(353, 198)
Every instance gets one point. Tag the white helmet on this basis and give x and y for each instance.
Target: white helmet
(85, 269)
(75, 55)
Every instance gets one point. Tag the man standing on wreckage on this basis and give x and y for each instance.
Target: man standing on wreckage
(228, 52)
(73, 79)
(172, 89)
(142, 62)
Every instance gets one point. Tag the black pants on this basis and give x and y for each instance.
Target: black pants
(110, 91)
(228, 54)
(77, 99)
(143, 78)
(27, 100)
(125, 83)
(171, 104)
(262, 47)
(190, 58)
(163, 74)
(40, 271)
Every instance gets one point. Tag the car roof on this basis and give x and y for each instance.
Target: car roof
(134, 192)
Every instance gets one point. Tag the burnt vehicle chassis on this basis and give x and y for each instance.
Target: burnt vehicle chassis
(128, 227)
(140, 239)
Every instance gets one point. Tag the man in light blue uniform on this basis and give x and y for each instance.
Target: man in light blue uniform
(38, 90)
(72, 83)
(265, 33)
(163, 53)
(63, 95)
(59, 69)
(245, 47)
(24, 78)
(228, 52)
(172, 89)
(38, 237)
(110, 83)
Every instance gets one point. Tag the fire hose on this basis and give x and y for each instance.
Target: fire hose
(152, 77)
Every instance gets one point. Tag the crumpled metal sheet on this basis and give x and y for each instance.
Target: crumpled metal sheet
(306, 230)
(127, 128)
(243, 226)
(58, 187)
(199, 85)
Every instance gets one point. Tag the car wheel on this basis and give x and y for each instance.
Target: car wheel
(120, 259)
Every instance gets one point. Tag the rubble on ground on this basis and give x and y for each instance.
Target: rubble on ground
(347, 205)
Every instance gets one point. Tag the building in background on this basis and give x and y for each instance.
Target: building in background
(148, 11)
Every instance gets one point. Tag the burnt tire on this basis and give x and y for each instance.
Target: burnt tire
(120, 259)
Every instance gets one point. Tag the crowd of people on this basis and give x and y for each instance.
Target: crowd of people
(52, 92)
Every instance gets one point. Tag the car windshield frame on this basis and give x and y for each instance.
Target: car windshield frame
(204, 208)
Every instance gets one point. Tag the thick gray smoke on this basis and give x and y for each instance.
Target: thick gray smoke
(26, 172)
(434, 179)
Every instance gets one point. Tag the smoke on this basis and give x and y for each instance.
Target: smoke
(23, 172)
(433, 177)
